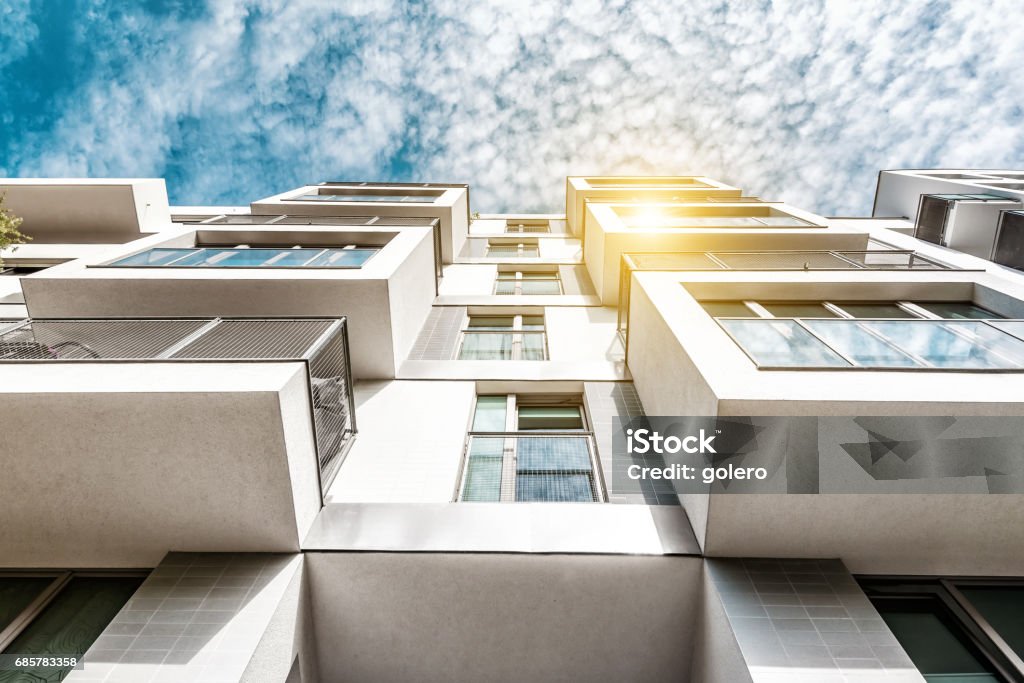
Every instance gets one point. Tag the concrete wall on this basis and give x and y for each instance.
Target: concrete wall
(112, 465)
(410, 443)
(87, 210)
(469, 617)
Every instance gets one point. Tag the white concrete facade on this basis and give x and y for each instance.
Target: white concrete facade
(400, 565)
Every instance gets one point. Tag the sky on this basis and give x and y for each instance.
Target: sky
(234, 100)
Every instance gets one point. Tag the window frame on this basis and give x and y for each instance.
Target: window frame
(516, 331)
(982, 635)
(552, 275)
(61, 580)
(520, 246)
(511, 434)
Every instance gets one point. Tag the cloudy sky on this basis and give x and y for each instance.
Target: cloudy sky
(232, 100)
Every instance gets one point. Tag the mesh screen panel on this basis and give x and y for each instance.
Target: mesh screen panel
(266, 339)
(1009, 247)
(94, 339)
(931, 219)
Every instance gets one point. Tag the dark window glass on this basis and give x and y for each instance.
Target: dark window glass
(799, 310)
(1009, 247)
(935, 642)
(70, 624)
(1002, 607)
(876, 311)
(16, 592)
(728, 309)
(956, 310)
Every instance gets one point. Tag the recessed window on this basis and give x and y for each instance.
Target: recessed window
(527, 282)
(526, 226)
(524, 249)
(529, 448)
(503, 337)
(58, 614)
(954, 629)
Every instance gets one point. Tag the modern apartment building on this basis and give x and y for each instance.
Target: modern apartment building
(355, 432)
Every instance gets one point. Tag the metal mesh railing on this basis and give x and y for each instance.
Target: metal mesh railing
(529, 467)
(321, 343)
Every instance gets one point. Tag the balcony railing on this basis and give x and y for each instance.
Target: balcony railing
(320, 343)
(880, 344)
(868, 259)
(551, 466)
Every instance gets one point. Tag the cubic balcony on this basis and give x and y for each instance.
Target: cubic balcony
(869, 259)
(797, 354)
(579, 190)
(448, 203)
(383, 279)
(615, 229)
(168, 433)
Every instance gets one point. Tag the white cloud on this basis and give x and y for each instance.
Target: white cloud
(803, 101)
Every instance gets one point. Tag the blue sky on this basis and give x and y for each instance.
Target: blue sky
(235, 100)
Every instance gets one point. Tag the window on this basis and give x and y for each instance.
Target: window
(347, 256)
(527, 282)
(524, 249)
(503, 337)
(58, 614)
(529, 448)
(527, 225)
(955, 629)
(902, 334)
(13, 270)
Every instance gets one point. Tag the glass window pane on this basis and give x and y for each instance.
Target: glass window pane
(531, 251)
(1002, 607)
(854, 341)
(490, 414)
(554, 488)
(728, 309)
(956, 310)
(483, 470)
(1014, 327)
(954, 344)
(75, 618)
(504, 286)
(879, 310)
(153, 257)
(799, 310)
(548, 453)
(533, 346)
(338, 258)
(540, 286)
(533, 322)
(781, 343)
(16, 592)
(934, 641)
(491, 322)
(486, 346)
(550, 417)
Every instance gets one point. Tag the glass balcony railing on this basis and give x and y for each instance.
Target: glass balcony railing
(882, 343)
(320, 343)
(529, 467)
(869, 259)
(210, 257)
